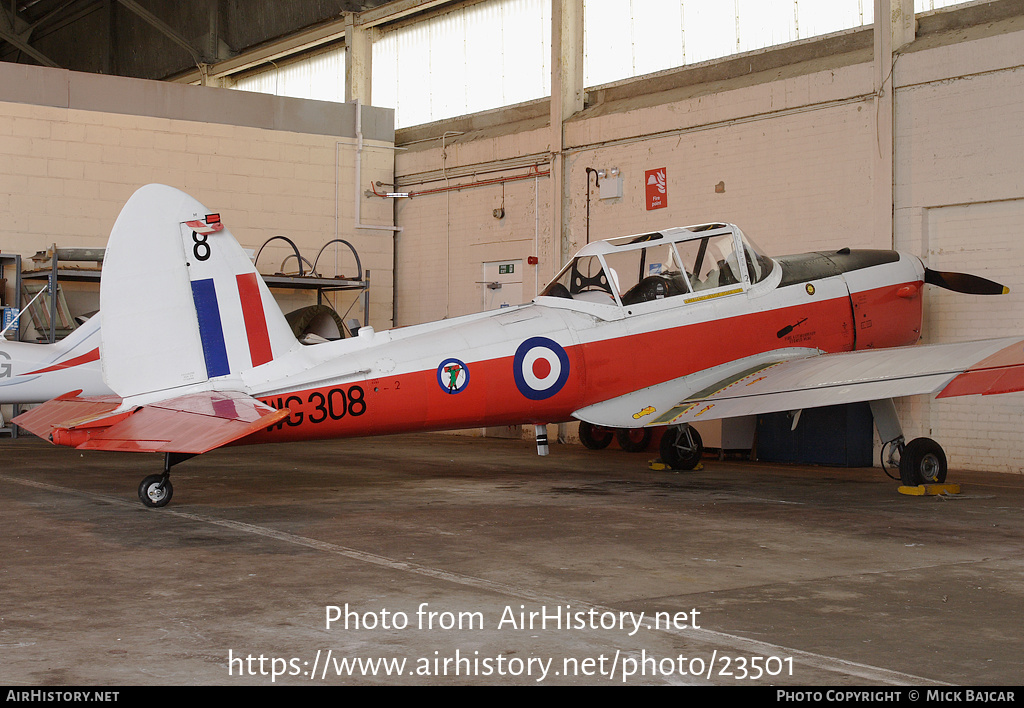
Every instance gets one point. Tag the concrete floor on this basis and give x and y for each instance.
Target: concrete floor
(828, 575)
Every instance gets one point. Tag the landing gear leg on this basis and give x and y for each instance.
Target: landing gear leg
(541, 433)
(155, 490)
(921, 461)
(890, 432)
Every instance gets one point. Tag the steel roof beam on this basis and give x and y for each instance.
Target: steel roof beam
(164, 29)
(9, 34)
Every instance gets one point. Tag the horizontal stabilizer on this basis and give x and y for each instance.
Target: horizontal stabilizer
(67, 411)
(194, 423)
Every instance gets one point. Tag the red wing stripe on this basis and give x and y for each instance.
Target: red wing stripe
(94, 355)
(255, 319)
(1003, 372)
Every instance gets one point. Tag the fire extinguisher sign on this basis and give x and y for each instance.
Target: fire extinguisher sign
(657, 189)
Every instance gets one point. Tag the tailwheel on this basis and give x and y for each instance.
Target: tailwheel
(634, 439)
(922, 461)
(594, 437)
(155, 490)
(681, 447)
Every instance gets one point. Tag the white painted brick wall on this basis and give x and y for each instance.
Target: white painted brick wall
(798, 159)
(959, 184)
(65, 174)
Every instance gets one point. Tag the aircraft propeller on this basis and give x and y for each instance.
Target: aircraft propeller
(964, 283)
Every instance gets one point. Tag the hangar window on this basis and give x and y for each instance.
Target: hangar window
(473, 58)
(626, 39)
(478, 56)
(319, 76)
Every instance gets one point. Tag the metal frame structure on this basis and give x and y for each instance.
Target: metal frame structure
(12, 260)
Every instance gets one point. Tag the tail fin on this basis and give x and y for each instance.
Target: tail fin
(180, 301)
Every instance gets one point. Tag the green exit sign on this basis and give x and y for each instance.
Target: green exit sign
(506, 268)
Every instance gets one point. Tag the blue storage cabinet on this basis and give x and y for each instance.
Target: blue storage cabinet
(838, 436)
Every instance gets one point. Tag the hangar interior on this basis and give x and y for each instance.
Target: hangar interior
(903, 133)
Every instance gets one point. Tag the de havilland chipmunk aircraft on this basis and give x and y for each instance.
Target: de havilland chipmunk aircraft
(658, 329)
(33, 373)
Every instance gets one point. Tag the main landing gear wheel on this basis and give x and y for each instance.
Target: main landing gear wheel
(922, 461)
(633, 439)
(594, 437)
(681, 447)
(155, 491)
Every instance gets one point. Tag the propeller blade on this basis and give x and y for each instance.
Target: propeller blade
(964, 283)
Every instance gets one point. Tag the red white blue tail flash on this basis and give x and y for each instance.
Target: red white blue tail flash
(181, 300)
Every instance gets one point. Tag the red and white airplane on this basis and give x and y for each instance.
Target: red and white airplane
(33, 373)
(657, 329)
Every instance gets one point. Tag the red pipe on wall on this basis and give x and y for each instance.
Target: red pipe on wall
(534, 172)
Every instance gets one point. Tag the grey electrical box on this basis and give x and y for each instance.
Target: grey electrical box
(611, 187)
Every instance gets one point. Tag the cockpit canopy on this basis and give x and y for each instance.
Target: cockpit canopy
(626, 271)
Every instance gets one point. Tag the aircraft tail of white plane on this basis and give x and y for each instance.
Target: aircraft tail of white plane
(33, 373)
(84, 335)
(181, 302)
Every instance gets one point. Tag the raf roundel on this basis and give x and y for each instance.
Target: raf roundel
(452, 376)
(540, 367)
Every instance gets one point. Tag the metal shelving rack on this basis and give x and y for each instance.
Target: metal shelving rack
(12, 261)
(314, 281)
(9, 260)
(56, 273)
(323, 285)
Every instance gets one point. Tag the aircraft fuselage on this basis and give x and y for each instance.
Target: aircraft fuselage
(540, 362)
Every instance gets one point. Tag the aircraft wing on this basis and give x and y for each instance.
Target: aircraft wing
(792, 379)
(193, 423)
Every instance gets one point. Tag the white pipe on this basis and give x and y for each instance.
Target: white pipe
(359, 180)
(536, 236)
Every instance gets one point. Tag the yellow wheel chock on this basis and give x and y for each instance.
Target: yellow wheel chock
(930, 490)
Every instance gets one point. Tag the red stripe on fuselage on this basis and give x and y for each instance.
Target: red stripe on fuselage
(94, 355)
(260, 351)
(599, 371)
